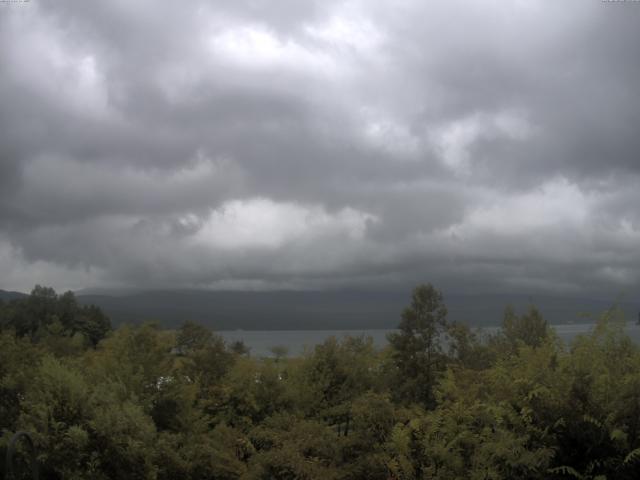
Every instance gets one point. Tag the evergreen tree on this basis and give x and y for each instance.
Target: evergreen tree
(417, 349)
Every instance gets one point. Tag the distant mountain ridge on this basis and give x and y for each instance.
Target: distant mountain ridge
(329, 310)
(8, 295)
(321, 310)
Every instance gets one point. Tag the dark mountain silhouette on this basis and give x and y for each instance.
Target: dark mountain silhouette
(320, 310)
(7, 296)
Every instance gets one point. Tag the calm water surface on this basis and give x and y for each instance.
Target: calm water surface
(296, 341)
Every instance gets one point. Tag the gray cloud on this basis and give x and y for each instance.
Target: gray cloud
(480, 146)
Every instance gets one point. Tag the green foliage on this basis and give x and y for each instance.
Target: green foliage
(193, 337)
(336, 372)
(293, 448)
(46, 315)
(417, 350)
(279, 351)
(468, 347)
(218, 453)
(253, 392)
(441, 401)
(528, 329)
(85, 430)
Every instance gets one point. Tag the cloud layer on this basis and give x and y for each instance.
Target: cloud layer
(244, 144)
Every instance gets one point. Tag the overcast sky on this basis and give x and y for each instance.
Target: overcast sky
(479, 145)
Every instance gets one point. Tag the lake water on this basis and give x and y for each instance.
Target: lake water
(260, 342)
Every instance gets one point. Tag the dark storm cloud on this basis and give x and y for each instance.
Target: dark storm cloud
(314, 144)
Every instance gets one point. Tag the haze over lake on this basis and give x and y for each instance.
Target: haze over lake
(297, 341)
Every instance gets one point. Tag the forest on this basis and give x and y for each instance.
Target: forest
(441, 401)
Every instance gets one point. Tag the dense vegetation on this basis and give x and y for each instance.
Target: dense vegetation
(441, 401)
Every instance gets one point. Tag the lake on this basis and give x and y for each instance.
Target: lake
(261, 341)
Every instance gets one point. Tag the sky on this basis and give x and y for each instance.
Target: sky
(483, 146)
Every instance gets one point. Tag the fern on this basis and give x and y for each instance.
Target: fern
(592, 420)
(566, 470)
(632, 457)
(618, 435)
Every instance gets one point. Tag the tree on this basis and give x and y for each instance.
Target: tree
(193, 336)
(67, 310)
(467, 348)
(528, 329)
(204, 360)
(43, 311)
(335, 373)
(92, 323)
(26, 315)
(279, 352)
(238, 347)
(417, 351)
(293, 448)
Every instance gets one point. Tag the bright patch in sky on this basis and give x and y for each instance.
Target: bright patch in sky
(263, 223)
(454, 140)
(558, 204)
(258, 48)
